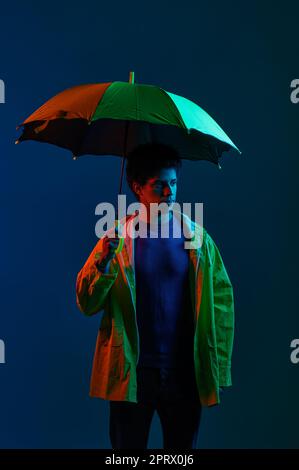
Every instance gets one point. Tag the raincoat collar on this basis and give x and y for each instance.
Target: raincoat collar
(190, 228)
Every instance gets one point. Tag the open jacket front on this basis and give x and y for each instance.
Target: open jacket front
(117, 347)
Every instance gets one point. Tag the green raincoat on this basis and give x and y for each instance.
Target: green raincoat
(117, 348)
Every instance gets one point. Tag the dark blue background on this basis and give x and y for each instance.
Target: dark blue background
(236, 60)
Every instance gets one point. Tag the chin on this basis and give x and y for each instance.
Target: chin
(167, 202)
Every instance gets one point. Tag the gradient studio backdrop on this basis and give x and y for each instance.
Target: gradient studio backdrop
(237, 61)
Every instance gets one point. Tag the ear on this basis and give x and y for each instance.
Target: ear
(136, 187)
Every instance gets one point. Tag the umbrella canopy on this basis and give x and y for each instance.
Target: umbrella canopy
(113, 118)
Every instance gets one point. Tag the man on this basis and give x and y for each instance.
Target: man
(166, 336)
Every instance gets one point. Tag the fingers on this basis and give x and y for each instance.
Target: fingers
(111, 244)
(111, 241)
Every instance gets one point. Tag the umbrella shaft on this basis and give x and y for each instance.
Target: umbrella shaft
(121, 174)
(123, 161)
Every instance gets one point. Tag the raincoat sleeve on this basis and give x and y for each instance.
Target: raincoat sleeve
(224, 316)
(92, 286)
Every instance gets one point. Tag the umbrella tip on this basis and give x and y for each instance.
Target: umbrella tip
(132, 78)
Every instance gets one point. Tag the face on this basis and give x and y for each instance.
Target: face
(160, 188)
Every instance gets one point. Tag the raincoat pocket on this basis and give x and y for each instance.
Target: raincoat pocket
(109, 353)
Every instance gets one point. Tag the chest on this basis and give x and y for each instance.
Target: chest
(161, 256)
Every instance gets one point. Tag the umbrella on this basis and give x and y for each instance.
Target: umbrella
(113, 118)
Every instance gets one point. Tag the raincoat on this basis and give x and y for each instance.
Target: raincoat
(117, 348)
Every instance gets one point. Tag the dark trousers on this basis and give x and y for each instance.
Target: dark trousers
(170, 392)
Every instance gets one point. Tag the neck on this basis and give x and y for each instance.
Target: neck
(154, 217)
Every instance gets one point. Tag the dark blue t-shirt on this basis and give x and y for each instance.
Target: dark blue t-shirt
(164, 311)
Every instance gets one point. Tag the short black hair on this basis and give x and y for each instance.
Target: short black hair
(146, 160)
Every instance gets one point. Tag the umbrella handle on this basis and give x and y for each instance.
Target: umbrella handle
(120, 245)
(121, 240)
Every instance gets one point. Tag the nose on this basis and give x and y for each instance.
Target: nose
(167, 190)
